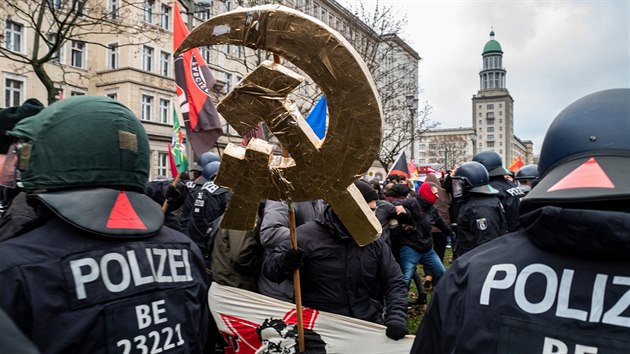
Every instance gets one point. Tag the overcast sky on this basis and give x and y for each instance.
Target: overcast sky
(554, 52)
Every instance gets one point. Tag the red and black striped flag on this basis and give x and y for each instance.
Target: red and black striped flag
(400, 166)
(194, 82)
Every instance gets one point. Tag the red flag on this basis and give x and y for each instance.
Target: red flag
(194, 82)
(400, 166)
(172, 163)
(516, 164)
(413, 169)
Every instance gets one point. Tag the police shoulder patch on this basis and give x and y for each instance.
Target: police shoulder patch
(482, 224)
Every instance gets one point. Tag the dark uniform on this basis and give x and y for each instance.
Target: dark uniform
(97, 272)
(560, 285)
(481, 219)
(203, 206)
(509, 195)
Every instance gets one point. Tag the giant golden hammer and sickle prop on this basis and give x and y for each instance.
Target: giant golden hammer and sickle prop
(317, 169)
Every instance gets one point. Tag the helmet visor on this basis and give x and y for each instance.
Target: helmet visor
(457, 187)
(9, 174)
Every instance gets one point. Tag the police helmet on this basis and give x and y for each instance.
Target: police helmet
(211, 169)
(492, 162)
(82, 155)
(472, 177)
(527, 172)
(585, 155)
(206, 158)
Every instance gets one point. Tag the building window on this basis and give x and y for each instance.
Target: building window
(500, 113)
(490, 137)
(162, 164)
(490, 121)
(148, 11)
(228, 82)
(490, 115)
(78, 54)
(315, 10)
(77, 93)
(113, 96)
(13, 33)
(500, 127)
(147, 107)
(480, 129)
(500, 151)
(500, 143)
(490, 129)
(165, 17)
(490, 144)
(147, 58)
(480, 114)
(112, 56)
(164, 110)
(114, 8)
(13, 92)
(165, 61)
(501, 136)
(480, 121)
(422, 161)
(54, 4)
(500, 120)
(490, 106)
(52, 41)
(500, 105)
(205, 53)
(423, 146)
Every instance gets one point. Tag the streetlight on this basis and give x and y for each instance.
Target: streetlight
(412, 104)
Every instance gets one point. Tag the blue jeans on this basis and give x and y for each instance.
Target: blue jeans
(409, 259)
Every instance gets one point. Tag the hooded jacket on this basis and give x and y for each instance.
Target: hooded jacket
(339, 276)
(423, 216)
(561, 283)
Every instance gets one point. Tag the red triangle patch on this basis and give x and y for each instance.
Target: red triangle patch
(123, 216)
(588, 175)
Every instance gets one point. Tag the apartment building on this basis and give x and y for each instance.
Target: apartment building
(133, 62)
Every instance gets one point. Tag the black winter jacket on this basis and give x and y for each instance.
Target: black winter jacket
(560, 283)
(481, 219)
(509, 195)
(423, 216)
(338, 276)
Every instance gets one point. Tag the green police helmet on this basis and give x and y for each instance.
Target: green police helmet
(83, 141)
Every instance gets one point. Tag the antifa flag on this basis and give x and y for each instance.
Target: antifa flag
(194, 82)
(251, 323)
(400, 166)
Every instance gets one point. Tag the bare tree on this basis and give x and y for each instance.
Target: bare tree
(388, 59)
(55, 23)
(449, 150)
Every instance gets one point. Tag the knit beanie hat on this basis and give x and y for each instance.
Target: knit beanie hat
(368, 192)
(10, 116)
(427, 194)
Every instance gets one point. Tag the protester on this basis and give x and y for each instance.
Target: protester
(417, 245)
(481, 217)
(440, 239)
(526, 178)
(500, 179)
(274, 230)
(339, 276)
(560, 284)
(99, 273)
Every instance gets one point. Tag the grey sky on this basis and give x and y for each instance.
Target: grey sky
(554, 52)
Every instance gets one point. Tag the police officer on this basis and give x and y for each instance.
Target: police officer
(481, 217)
(526, 178)
(509, 193)
(561, 284)
(98, 273)
(203, 207)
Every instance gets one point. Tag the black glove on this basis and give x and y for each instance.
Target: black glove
(396, 330)
(176, 195)
(292, 260)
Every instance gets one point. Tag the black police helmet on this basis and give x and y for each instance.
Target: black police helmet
(475, 178)
(527, 172)
(492, 162)
(211, 169)
(585, 156)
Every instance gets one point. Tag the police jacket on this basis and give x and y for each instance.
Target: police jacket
(274, 230)
(339, 276)
(204, 204)
(71, 291)
(561, 285)
(481, 219)
(423, 216)
(510, 195)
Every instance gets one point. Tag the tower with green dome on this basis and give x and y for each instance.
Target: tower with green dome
(493, 118)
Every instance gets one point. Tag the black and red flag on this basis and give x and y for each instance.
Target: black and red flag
(194, 82)
(400, 166)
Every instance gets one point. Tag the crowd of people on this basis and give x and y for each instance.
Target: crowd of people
(95, 259)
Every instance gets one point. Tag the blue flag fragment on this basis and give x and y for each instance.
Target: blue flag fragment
(317, 118)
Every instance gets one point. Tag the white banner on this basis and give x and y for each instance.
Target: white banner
(255, 324)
